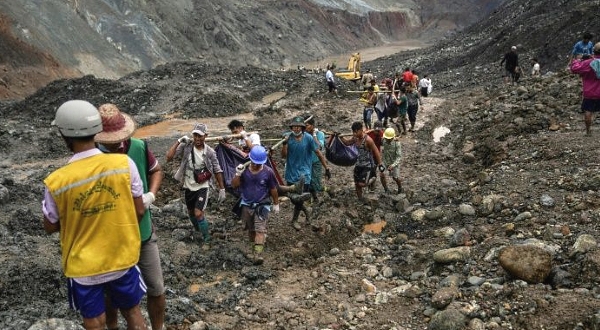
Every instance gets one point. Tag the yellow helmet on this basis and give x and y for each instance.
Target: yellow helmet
(389, 133)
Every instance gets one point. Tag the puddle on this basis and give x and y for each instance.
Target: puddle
(176, 127)
(439, 133)
(374, 228)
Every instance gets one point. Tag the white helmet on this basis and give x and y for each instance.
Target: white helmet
(78, 118)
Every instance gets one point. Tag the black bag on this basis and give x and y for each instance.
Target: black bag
(200, 175)
(340, 154)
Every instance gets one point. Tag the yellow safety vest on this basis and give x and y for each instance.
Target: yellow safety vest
(99, 231)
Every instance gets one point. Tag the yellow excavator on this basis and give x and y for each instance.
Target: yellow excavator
(352, 73)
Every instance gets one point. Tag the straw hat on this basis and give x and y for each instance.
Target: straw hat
(117, 126)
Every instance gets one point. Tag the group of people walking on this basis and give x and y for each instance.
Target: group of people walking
(395, 100)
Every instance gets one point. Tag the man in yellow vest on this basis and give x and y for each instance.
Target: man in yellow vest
(95, 203)
(117, 129)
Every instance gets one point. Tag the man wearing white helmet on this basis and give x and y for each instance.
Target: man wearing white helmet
(392, 152)
(95, 202)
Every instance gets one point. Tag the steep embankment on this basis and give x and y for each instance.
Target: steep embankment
(110, 38)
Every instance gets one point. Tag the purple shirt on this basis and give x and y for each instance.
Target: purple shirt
(256, 187)
(591, 84)
(49, 205)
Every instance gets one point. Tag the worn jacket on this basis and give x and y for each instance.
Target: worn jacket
(184, 151)
(591, 84)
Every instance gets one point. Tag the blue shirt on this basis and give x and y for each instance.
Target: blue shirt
(299, 158)
(582, 48)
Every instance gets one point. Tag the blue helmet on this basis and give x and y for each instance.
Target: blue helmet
(258, 155)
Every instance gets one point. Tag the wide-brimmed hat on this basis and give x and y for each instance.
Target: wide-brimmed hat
(199, 129)
(116, 125)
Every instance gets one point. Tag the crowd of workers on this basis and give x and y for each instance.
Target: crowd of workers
(100, 200)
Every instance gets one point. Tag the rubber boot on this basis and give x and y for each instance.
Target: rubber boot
(295, 222)
(203, 226)
(194, 222)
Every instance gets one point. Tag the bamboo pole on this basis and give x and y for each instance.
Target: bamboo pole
(230, 136)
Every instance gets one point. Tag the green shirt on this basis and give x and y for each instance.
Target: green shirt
(392, 152)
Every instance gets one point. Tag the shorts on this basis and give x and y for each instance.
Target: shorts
(424, 91)
(196, 199)
(367, 114)
(124, 293)
(149, 265)
(363, 174)
(253, 221)
(395, 172)
(590, 105)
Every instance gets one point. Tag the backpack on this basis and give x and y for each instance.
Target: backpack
(595, 64)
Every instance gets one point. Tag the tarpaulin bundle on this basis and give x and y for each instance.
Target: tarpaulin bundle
(340, 154)
(229, 158)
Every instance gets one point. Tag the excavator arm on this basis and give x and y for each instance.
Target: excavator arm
(352, 72)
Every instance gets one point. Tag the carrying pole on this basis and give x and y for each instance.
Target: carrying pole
(230, 136)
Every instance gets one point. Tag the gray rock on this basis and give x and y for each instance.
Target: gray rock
(450, 319)
(547, 201)
(444, 296)
(4, 194)
(452, 255)
(466, 209)
(56, 324)
(583, 244)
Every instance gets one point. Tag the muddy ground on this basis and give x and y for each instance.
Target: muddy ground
(515, 169)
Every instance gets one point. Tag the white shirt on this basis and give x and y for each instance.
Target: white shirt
(254, 139)
(536, 69)
(329, 75)
(425, 82)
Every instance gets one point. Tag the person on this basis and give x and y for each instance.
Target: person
(116, 138)
(247, 141)
(414, 82)
(535, 67)
(413, 102)
(366, 79)
(511, 62)
(425, 85)
(330, 79)
(582, 48)
(196, 156)
(369, 158)
(316, 184)
(95, 203)
(589, 70)
(397, 108)
(370, 101)
(256, 183)
(407, 77)
(392, 153)
(297, 150)
(376, 134)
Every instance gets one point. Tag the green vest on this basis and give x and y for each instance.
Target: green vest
(137, 152)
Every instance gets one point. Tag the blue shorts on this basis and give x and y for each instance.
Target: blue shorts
(591, 105)
(124, 293)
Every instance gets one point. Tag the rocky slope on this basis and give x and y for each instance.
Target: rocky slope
(111, 38)
(496, 228)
